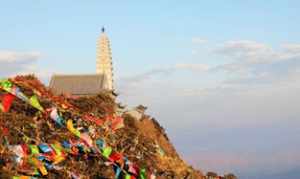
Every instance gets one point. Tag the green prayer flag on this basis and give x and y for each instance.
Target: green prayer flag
(35, 103)
(6, 85)
(143, 173)
(107, 151)
(127, 176)
(34, 149)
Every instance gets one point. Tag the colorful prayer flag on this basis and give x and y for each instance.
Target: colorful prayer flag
(6, 85)
(55, 117)
(66, 144)
(35, 103)
(115, 156)
(87, 139)
(57, 148)
(143, 173)
(45, 148)
(117, 123)
(34, 149)
(152, 176)
(107, 151)
(59, 155)
(117, 171)
(94, 119)
(38, 164)
(17, 92)
(132, 169)
(18, 151)
(7, 101)
(72, 129)
(23, 177)
(100, 143)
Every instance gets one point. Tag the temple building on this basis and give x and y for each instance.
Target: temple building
(88, 84)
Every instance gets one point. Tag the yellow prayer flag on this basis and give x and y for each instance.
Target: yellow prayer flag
(72, 129)
(35, 103)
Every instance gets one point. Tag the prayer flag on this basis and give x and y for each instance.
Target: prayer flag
(117, 172)
(38, 164)
(59, 153)
(72, 129)
(25, 149)
(117, 123)
(58, 159)
(6, 85)
(23, 177)
(18, 150)
(66, 144)
(57, 148)
(152, 176)
(34, 149)
(143, 174)
(45, 148)
(35, 103)
(115, 156)
(17, 92)
(132, 169)
(55, 117)
(7, 101)
(107, 151)
(94, 119)
(87, 139)
(100, 143)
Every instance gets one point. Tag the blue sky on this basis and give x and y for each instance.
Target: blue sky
(221, 76)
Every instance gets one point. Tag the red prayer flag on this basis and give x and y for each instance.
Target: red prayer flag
(7, 101)
(25, 148)
(5, 131)
(115, 156)
(117, 123)
(94, 119)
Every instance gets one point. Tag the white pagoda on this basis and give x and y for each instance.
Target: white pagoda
(104, 60)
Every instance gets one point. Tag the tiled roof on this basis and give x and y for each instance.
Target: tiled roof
(79, 85)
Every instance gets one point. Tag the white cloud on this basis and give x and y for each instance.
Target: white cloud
(245, 50)
(293, 48)
(164, 71)
(193, 67)
(198, 40)
(14, 62)
(15, 57)
(257, 62)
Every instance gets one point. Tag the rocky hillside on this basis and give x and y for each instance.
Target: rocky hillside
(48, 136)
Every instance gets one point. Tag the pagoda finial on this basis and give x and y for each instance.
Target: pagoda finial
(103, 29)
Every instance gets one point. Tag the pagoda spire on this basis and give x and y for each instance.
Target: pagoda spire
(104, 60)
